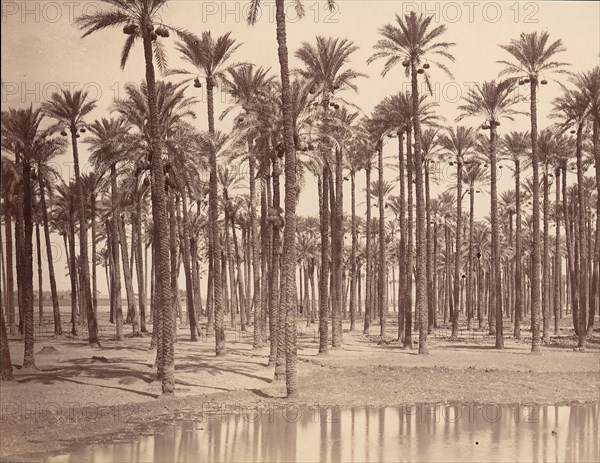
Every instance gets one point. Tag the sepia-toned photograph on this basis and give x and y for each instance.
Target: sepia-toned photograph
(313, 231)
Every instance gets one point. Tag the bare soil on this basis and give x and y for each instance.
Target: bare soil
(82, 393)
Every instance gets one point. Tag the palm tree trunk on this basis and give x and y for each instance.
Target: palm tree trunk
(583, 245)
(369, 288)
(291, 192)
(116, 213)
(518, 256)
(470, 262)
(324, 277)
(7, 370)
(139, 266)
(337, 252)
(94, 269)
(187, 270)
(458, 246)
(546, 261)
(382, 261)
(353, 270)
(258, 339)
(535, 242)
(429, 252)
(166, 361)
(10, 306)
(40, 282)
(83, 245)
(410, 252)
(55, 304)
(72, 274)
(27, 262)
(402, 280)
(221, 349)
(266, 254)
(496, 271)
(277, 333)
(131, 310)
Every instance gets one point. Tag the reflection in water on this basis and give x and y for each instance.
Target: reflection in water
(408, 433)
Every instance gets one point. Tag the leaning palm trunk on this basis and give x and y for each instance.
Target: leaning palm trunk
(55, 305)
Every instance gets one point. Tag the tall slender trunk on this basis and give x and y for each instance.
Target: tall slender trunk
(93, 262)
(353, 270)
(52, 275)
(402, 280)
(546, 260)
(83, 245)
(139, 265)
(458, 245)
(277, 334)
(187, 270)
(72, 274)
(470, 257)
(382, 261)
(116, 287)
(40, 281)
(410, 251)
(7, 369)
(10, 289)
(369, 269)
(291, 192)
(518, 257)
(255, 255)
(166, 361)
(583, 244)
(337, 245)
(27, 262)
(496, 271)
(131, 310)
(429, 251)
(324, 276)
(535, 242)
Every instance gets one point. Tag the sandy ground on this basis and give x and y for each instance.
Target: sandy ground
(82, 392)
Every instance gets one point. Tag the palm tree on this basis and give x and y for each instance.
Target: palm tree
(515, 147)
(533, 57)
(210, 57)
(458, 143)
(326, 73)
(106, 146)
(47, 150)
(20, 137)
(493, 101)
(246, 84)
(410, 43)
(288, 267)
(69, 109)
(10, 185)
(7, 371)
(139, 17)
(573, 108)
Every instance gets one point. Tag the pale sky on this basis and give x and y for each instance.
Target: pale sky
(42, 50)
